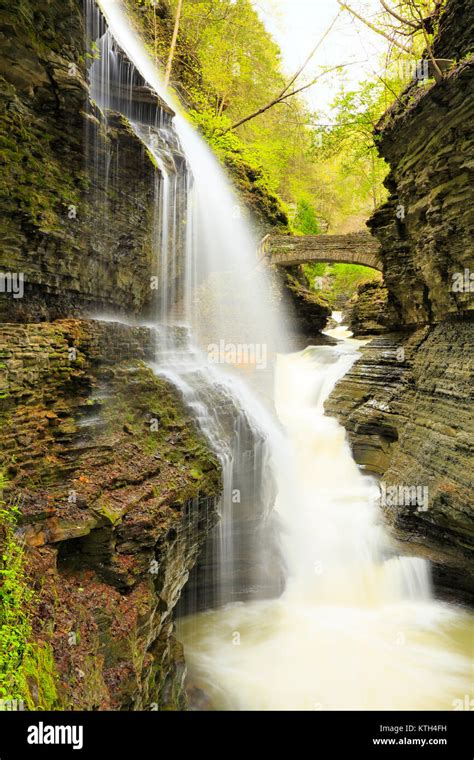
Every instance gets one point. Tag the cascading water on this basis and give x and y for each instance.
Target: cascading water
(356, 626)
(208, 297)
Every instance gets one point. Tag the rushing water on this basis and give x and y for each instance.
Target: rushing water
(356, 626)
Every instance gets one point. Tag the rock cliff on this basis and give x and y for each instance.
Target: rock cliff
(370, 311)
(117, 493)
(72, 258)
(117, 489)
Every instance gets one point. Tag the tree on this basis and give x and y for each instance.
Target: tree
(351, 138)
(173, 43)
(305, 220)
(404, 25)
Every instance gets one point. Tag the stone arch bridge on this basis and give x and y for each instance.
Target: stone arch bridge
(353, 248)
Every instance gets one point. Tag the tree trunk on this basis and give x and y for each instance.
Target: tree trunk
(173, 43)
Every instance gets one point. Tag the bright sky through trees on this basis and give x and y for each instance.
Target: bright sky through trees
(297, 25)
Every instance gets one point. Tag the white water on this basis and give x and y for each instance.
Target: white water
(226, 297)
(356, 626)
(209, 293)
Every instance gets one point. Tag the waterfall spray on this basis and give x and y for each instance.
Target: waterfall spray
(207, 294)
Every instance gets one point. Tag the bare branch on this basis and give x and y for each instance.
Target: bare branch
(393, 13)
(283, 97)
(310, 84)
(303, 66)
(373, 27)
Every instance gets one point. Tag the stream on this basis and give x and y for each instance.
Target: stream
(357, 626)
(307, 604)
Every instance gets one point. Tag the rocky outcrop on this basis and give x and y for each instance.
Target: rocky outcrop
(369, 311)
(309, 309)
(117, 493)
(426, 227)
(73, 259)
(406, 406)
(455, 30)
(407, 402)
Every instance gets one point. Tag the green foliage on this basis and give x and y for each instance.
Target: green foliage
(27, 669)
(337, 283)
(35, 184)
(317, 269)
(238, 70)
(306, 221)
(350, 148)
(246, 167)
(227, 66)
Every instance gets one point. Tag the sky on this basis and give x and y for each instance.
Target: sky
(297, 25)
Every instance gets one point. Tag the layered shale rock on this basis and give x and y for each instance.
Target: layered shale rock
(77, 198)
(117, 493)
(309, 309)
(369, 311)
(427, 225)
(406, 405)
(117, 490)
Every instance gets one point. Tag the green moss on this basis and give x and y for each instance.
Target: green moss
(176, 441)
(35, 183)
(104, 509)
(27, 668)
(40, 678)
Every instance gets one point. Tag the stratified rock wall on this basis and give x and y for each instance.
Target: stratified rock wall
(116, 488)
(81, 238)
(309, 309)
(426, 227)
(117, 493)
(407, 407)
(369, 312)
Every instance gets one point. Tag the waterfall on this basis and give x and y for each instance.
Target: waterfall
(215, 317)
(356, 626)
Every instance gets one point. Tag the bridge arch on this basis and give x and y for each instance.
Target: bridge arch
(353, 248)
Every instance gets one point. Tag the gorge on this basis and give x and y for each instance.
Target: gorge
(153, 483)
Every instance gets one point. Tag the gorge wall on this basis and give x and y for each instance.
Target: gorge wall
(406, 402)
(117, 492)
(117, 489)
(72, 257)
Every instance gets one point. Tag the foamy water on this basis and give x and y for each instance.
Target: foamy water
(357, 627)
